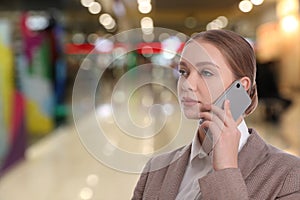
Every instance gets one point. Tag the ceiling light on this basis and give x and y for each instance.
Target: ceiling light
(245, 6)
(289, 24)
(86, 3)
(111, 25)
(224, 21)
(147, 25)
(143, 1)
(95, 8)
(219, 23)
(145, 8)
(257, 2)
(146, 22)
(78, 38)
(212, 25)
(108, 22)
(190, 22)
(105, 19)
(92, 38)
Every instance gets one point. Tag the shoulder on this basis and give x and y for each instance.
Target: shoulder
(289, 166)
(281, 163)
(279, 156)
(284, 159)
(260, 157)
(284, 155)
(264, 165)
(274, 154)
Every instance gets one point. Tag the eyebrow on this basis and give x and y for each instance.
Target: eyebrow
(199, 64)
(182, 63)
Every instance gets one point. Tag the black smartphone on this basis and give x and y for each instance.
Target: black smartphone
(239, 100)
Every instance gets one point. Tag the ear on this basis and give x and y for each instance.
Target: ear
(246, 82)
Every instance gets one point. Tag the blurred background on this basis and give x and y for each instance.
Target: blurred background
(43, 44)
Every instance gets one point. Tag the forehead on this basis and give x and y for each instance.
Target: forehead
(199, 51)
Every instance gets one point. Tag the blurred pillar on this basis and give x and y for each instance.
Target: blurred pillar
(280, 41)
(288, 17)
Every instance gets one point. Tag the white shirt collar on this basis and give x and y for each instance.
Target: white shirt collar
(244, 134)
(197, 149)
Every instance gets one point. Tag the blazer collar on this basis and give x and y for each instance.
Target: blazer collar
(175, 174)
(253, 152)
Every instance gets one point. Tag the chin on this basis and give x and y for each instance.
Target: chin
(190, 114)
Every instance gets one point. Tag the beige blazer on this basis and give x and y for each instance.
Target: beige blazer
(264, 173)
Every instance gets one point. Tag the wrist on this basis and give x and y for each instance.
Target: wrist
(222, 166)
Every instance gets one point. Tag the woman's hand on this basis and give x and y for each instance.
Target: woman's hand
(225, 135)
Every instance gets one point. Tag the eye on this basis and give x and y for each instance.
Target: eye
(183, 72)
(206, 73)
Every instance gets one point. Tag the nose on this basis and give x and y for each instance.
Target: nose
(190, 83)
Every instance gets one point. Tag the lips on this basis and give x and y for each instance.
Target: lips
(189, 101)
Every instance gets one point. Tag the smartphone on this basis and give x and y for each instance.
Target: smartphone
(239, 101)
(238, 97)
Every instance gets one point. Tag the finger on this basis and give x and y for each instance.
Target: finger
(219, 112)
(229, 119)
(209, 116)
(205, 116)
(214, 132)
(205, 108)
(225, 115)
(227, 108)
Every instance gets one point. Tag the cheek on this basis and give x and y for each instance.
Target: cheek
(211, 89)
(215, 91)
(218, 88)
(179, 86)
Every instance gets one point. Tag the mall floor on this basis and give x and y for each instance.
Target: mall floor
(62, 166)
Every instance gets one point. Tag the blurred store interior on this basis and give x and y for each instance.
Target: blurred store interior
(65, 109)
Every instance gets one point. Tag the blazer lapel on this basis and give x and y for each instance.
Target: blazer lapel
(251, 155)
(175, 174)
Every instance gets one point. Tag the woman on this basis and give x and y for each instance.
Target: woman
(238, 164)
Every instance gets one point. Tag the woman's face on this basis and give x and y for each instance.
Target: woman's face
(204, 75)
